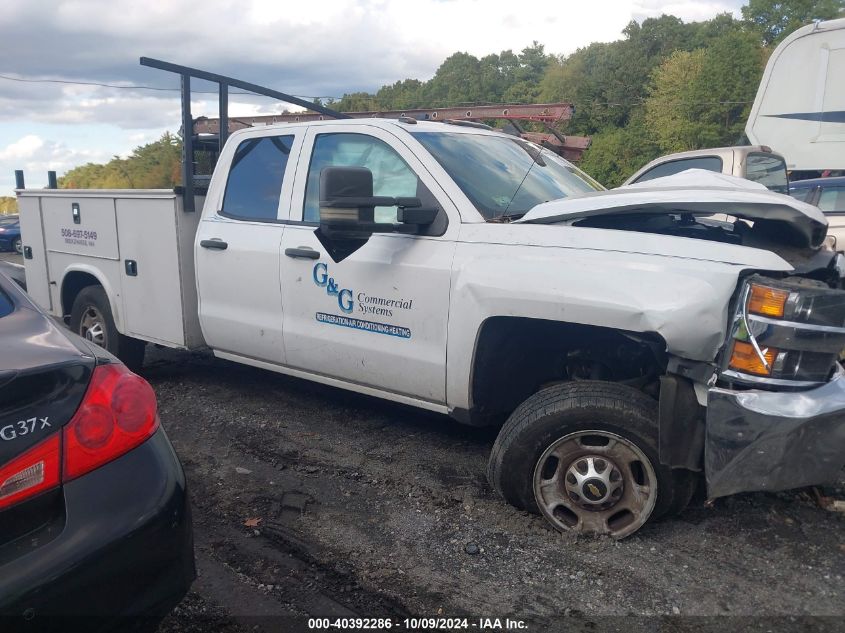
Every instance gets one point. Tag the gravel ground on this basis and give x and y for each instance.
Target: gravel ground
(314, 501)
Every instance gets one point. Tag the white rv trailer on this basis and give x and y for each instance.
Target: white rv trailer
(799, 109)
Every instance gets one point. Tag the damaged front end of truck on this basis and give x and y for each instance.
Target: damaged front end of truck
(766, 412)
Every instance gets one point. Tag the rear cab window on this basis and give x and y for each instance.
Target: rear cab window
(767, 169)
(254, 184)
(710, 163)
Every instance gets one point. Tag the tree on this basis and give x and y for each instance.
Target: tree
(616, 153)
(671, 111)
(775, 19)
(608, 82)
(727, 84)
(701, 98)
(8, 205)
(152, 166)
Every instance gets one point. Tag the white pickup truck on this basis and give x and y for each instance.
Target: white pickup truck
(624, 342)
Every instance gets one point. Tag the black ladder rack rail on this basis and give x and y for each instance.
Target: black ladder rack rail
(223, 82)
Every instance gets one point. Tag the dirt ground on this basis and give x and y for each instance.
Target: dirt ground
(314, 501)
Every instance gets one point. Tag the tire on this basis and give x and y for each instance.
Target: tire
(17, 246)
(91, 318)
(550, 454)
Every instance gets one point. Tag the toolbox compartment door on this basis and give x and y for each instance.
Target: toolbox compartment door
(150, 271)
(80, 226)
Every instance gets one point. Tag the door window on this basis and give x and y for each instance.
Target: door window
(832, 199)
(255, 178)
(391, 174)
(802, 193)
(710, 163)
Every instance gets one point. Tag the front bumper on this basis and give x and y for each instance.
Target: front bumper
(768, 440)
(124, 547)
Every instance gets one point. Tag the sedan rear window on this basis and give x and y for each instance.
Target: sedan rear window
(710, 163)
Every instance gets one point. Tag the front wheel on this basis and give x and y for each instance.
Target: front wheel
(584, 455)
(91, 318)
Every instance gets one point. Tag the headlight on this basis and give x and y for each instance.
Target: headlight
(785, 333)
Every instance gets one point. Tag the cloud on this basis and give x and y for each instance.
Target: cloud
(22, 149)
(36, 156)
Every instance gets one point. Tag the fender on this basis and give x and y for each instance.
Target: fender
(117, 313)
(682, 299)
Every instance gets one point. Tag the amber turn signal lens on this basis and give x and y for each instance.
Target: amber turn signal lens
(767, 301)
(745, 359)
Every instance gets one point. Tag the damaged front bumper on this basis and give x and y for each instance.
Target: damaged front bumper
(766, 440)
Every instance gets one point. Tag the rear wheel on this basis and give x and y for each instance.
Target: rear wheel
(584, 455)
(91, 318)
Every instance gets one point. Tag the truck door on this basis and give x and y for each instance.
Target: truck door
(237, 247)
(377, 318)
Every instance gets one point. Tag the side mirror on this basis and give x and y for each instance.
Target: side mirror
(347, 206)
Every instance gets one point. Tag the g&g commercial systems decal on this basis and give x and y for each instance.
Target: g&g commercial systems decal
(361, 303)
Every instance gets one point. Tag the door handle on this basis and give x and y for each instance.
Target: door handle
(303, 252)
(219, 245)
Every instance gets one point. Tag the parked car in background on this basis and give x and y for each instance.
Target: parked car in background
(828, 194)
(10, 234)
(94, 516)
(757, 163)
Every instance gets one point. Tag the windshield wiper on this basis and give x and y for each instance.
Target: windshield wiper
(507, 217)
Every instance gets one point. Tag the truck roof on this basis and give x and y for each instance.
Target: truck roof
(459, 127)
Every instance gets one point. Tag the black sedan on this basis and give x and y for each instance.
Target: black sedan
(95, 525)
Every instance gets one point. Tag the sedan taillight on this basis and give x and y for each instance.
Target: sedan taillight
(117, 414)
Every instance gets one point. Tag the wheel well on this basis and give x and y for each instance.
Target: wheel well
(516, 356)
(72, 285)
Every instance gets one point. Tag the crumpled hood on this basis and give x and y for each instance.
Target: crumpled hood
(694, 191)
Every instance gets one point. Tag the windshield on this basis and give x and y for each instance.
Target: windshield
(503, 176)
(768, 170)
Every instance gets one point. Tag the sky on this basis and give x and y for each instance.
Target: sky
(325, 48)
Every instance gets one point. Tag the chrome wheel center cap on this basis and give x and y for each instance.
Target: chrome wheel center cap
(593, 481)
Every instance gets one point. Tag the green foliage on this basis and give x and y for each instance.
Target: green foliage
(617, 152)
(701, 98)
(462, 78)
(671, 111)
(775, 19)
(8, 204)
(156, 165)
